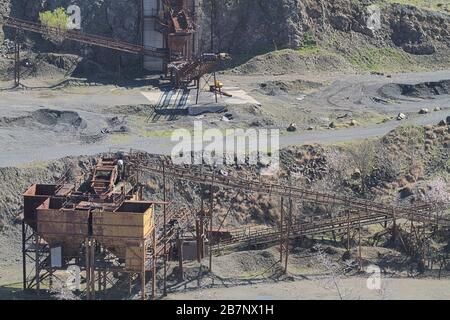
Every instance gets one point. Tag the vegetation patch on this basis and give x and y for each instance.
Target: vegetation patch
(55, 22)
(435, 5)
(382, 59)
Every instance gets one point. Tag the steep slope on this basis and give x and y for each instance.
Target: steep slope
(346, 28)
(365, 33)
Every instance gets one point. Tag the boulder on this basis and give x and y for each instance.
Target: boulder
(424, 111)
(356, 174)
(292, 127)
(406, 192)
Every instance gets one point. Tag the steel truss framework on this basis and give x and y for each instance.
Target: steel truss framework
(352, 214)
(98, 269)
(350, 223)
(345, 217)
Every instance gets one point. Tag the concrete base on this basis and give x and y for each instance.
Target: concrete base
(198, 109)
(186, 99)
(190, 250)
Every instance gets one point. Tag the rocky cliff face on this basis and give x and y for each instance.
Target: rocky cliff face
(118, 19)
(4, 9)
(255, 26)
(264, 25)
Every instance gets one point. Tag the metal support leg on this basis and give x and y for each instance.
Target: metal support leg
(359, 244)
(348, 230)
(180, 259)
(24, 255)
(211, 209)
(18, 63)
(37, 264)
(287, 236)
(90, 269)
(16, 59)
(281, 229)
(197, 238)
(394, 232)
(104, 282)
(198, 90)
(129, 283)
(215, 88)
(142, 275)
(164, 231)
(92, 266)
(154, 264)
(99, 280)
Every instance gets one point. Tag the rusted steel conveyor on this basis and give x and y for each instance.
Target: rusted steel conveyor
(95, 40)
(422, 213)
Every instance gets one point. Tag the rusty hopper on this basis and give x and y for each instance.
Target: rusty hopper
(65, 217)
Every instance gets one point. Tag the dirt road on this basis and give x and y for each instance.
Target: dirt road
(41, 125)
(351, 289)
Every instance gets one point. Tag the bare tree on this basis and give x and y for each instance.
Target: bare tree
(339, 168)
(363, 157)
(334, 273)
(437, 191)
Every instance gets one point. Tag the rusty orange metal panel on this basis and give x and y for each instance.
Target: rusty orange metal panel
(124, 230)
(62, 222)
(134, 257)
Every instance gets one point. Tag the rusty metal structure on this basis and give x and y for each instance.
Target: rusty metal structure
(349, 213)
(73, 35)
(104, 227)
(171, 43)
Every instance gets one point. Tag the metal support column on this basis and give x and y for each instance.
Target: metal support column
(164, 231)
(198, 90)
(89, 266)
(180, 259)
(211, 209)
(281, 229)
(142, 275)
(359, 243)
(37, 264)
(197, 238)
(154, 264)
(16, 59)
(287, 236)
(24, 255)
(104, 282)
(348, 230)
(215, 86)
(394, 228)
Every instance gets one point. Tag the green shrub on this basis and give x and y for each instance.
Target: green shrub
(57, 19)
(309, 39)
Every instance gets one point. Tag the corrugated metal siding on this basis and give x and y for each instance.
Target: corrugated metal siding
(153, 64)
(150, 7)
(151, 37)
